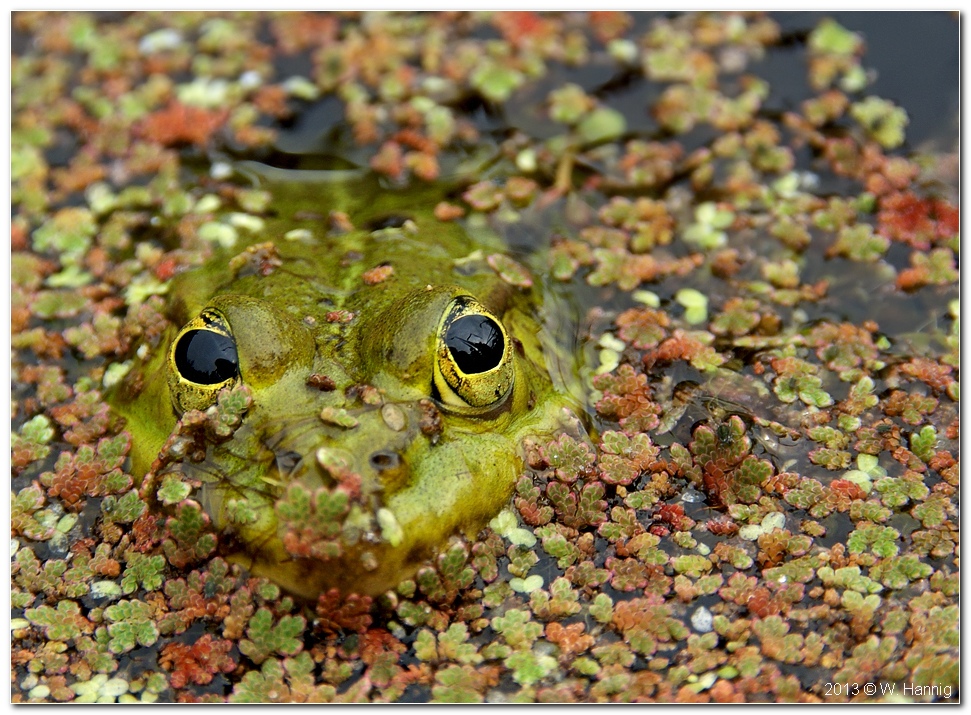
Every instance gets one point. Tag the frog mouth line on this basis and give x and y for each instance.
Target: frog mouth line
(500, 408)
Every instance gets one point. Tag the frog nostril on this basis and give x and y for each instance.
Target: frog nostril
(383, 461)
(389, 221)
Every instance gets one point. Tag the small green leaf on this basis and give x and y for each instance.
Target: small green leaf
(882, 540)
(898, 571)
(695, 304)
(517, 628)
(692, 565)
(924, 442)
(130, 623)
(264, 639)
(173, 490)
(61, 624)
(144, 570)
(495, 82)
(529, 667)
(602, 124)
(830, 37)
(511, 272)
(602, 608)
(882, 120)
(124, 509)
(526, 585)
(569, 103)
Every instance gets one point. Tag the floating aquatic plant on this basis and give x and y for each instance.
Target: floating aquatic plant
(695, 221)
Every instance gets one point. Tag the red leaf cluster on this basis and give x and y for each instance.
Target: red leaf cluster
(197, 663)
(85, 474)
(775, 599)
(296, 32)
(678, 347)
(715, 479)
(339, 613)
(377, 641)
(647, 613)
(521, 28)
(570, 638)
(146, 532)
(931, 373)
(918, 222)
(849, 489)
(182, 124)
(673, 514)
(642, 327)
(761, 604)
(85, 419)
(722, 526)
(272, 99)
(609, 24)
(627, 399)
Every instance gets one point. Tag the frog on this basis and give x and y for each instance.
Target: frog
(395, 376)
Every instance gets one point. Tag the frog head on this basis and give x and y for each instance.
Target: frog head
(414, 414)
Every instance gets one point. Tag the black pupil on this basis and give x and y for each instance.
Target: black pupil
(475, 342)
(206, 358)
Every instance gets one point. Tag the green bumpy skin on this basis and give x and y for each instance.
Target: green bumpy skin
(428, 453)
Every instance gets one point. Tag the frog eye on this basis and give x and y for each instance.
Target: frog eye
(474, 362)
(476, 343)
(202, 361)
(206, 357)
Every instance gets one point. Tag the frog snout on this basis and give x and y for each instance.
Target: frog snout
(373, 449)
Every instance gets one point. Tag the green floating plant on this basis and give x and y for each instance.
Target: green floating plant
(923, 443)
(191, 538)
(130, 623)
(458, 684)
(600, 125)
(830, 37)
(63, 623)
(707, 232)
(882, 120)
(897, 572)
(559, 602)
(30, 443)
(881, 540)
(569, 103)
(557, 545)
(578, 507)
(313, 520)
(568, 457)
(897, 491)
(529, 667)
(124, 509)
(517, 628)
(624, 458)
(291, 680)
(264, 639)
(848, 577)
(145, 571)
(28, 517)
(496, 82)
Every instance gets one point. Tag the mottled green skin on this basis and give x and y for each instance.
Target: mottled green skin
(448, 483)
